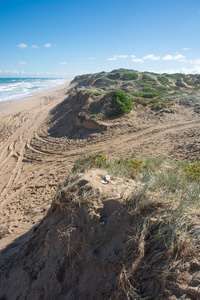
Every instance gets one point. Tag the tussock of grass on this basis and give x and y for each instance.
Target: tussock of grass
(163, 210)
(158, 182)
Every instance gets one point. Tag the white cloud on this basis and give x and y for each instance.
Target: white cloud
(91, 57)
(175, 57)
(132, 56)
(22, 45)
(115, 57)
(138, 60)
(195, 62)
(12, 72)
(152, 57)
(22, 62)
(63, 63)
(195, 70)
(122, 56)
(48, 45)
(1, 71)
(35, 46)
(112, 58)
(186, 49)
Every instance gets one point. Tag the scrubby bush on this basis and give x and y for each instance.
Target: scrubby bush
(197, 81)
(95, 93)
(148, 93)
(176, 76)
(146, 77)
(129, 76)
(154, 102)
(179, 83)
(87, 162)
(86, 82)
(163, 80)
(114, 76)
(189, 82)
(122, 103)
(102, 82)
(159, 105)
(131, 165)
(193, 171)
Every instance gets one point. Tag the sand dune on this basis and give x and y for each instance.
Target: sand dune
(35, 156)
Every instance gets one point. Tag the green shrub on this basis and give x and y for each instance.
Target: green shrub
(130, 162)
(144, 85)
(163, 80)
(146, 77)
(193, 170)
(163, 88)
(189, 82)
(179, 83)
(159, 106)
(176, 76)
(94, 116)
(130, 166)
(154, 102)
(95, 93)
(197, 81)
(102, 82)
(114, 76)
(122, 102)
(86, 162)
(129, 76)
(151, 93)
(86, 82)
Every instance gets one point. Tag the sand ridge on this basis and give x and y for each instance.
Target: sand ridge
(97, 241)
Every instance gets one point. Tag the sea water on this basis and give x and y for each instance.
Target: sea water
(15, 88)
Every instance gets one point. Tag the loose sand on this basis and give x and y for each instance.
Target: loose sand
(19, 122)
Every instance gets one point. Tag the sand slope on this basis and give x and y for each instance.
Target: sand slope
(93, 244)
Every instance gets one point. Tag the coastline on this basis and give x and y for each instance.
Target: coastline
(20, 120)
(17, 105)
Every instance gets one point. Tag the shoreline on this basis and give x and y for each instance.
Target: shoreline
(17, 105)
(20, 121)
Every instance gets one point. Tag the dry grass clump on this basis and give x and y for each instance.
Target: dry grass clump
(160, 218)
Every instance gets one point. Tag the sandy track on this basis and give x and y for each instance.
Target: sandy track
(33, 163)
(20, 205)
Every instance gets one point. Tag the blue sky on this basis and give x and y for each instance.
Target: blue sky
(63, 38)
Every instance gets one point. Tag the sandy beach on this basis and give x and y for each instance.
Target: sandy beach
(21, 203)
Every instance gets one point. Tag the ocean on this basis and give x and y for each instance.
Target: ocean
(15, 88)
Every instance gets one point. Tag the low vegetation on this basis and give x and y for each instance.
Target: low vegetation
(158, 91)
(147, 78)
(122, 102)
(193, 170)
(129, 76)
(163, 80)
(159, 181)
(179, 83)
(160, 214)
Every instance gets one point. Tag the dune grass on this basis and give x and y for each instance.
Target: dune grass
(174, 185)
(164, 208)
